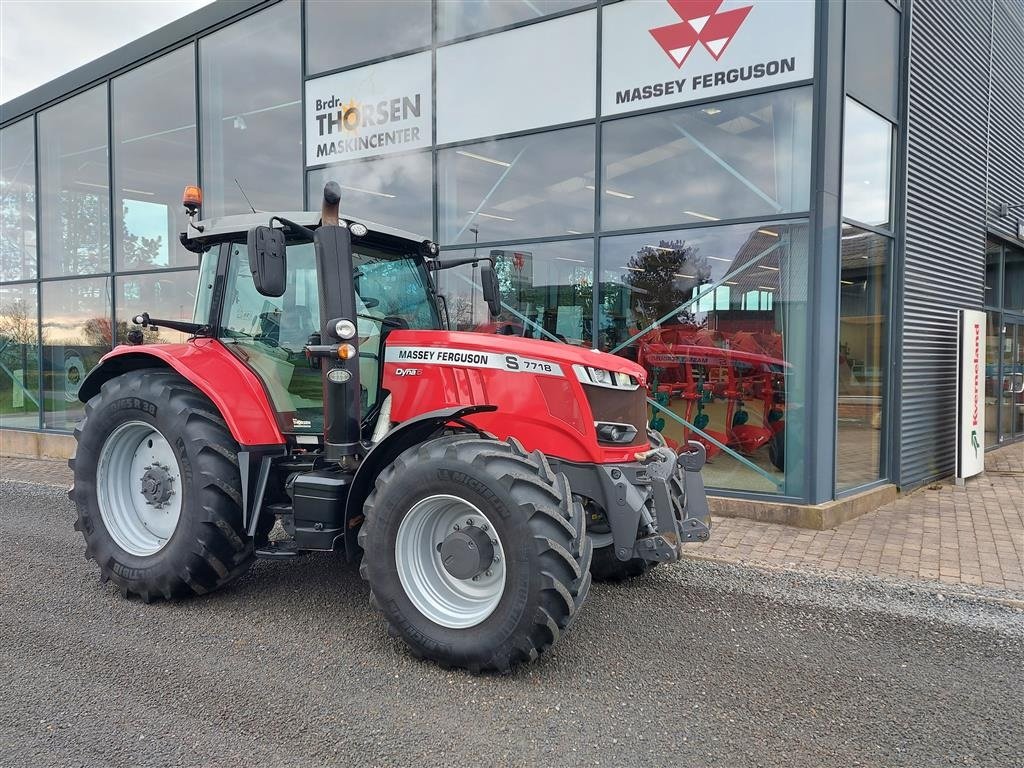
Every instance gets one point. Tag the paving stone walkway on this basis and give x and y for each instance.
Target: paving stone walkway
(971, 535)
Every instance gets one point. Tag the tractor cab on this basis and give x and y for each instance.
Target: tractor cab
(393, 289)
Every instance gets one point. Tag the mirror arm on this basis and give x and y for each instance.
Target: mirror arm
(436, 265)
(193, 329)
(297, 228)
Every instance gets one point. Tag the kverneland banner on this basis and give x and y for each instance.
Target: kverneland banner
(659, 52)
(971, 380)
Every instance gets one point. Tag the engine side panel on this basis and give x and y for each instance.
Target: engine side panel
(540, 401)
(233, 388)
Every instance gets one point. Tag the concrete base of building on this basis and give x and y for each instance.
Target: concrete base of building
(818, 517)
(36, 445)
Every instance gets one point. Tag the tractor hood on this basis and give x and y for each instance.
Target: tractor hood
(553, 351)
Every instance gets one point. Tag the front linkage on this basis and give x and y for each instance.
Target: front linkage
(654, 505)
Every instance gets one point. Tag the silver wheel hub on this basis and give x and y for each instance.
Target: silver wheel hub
(138, 488)
(450, 561)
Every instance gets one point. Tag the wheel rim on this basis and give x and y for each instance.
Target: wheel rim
(138, 487)
(439, 595)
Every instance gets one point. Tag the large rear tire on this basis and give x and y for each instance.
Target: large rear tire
(475, 552)
(158, 489)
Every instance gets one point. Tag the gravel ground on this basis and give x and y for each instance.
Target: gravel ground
(698, 664)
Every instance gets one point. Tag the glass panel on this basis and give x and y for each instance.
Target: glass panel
(456, 18)
(19, 361)
(1011, 409)
(547, 288)
(76, 332)
(205, 282)
(863, 325)
(269, 334)
(531, 186)
(867, 163)
(993, 265)
(872, 55)
(993, 381)
(1013, 279)
(395, 191)
(743, 157)
(252, 121)
(718, 318)
(18, 202)
(154, 111)
(167, 295)
(74, 186)
(341, 34)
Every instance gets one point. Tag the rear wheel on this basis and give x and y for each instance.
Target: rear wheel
(475, 552)
(158, 488)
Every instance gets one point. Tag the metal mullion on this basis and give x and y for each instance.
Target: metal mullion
(595, 290)
(401, 153)
(517, 134)
(883, 231)
(164, 271)
(517, 241)
(112, 197)
(306, 77)
(435, 189)
(38, 281)
(893, 406)
(766, 220)
(302, 98)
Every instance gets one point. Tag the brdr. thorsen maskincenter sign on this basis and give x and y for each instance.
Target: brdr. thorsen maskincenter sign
(374, 110)
(658, 52)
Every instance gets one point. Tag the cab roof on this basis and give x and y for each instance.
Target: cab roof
(223, 227)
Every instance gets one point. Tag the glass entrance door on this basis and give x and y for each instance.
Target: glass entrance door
(1011, 405)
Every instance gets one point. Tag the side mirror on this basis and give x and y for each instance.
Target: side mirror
(267, 260)
(491, 291)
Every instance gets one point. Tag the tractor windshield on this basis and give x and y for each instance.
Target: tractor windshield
(269, 334)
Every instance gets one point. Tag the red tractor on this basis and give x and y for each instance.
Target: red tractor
(320, 405)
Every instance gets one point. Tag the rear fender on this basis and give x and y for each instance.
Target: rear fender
(407, 434)
(235, 391)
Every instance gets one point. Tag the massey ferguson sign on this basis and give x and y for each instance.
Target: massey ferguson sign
(658, 52)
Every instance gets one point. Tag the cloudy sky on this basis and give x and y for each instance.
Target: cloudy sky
(43, 39)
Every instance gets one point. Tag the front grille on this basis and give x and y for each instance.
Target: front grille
(620, 406)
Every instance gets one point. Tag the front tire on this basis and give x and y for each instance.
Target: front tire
(475, 552)
(158, 489)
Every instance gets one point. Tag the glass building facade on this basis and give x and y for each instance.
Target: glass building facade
(727, 212)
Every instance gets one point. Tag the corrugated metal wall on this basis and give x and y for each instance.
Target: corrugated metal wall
(1006, 169)
(944, 261)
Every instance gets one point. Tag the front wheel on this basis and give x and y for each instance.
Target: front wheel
(475, 552)
(158, 488)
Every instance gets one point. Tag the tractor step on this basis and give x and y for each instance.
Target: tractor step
(281, 550)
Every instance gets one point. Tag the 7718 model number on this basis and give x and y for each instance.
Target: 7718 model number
(516, 363)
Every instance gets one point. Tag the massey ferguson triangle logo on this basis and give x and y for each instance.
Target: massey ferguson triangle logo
(700, 23)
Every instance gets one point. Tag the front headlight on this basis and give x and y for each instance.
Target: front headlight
(602, 378)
